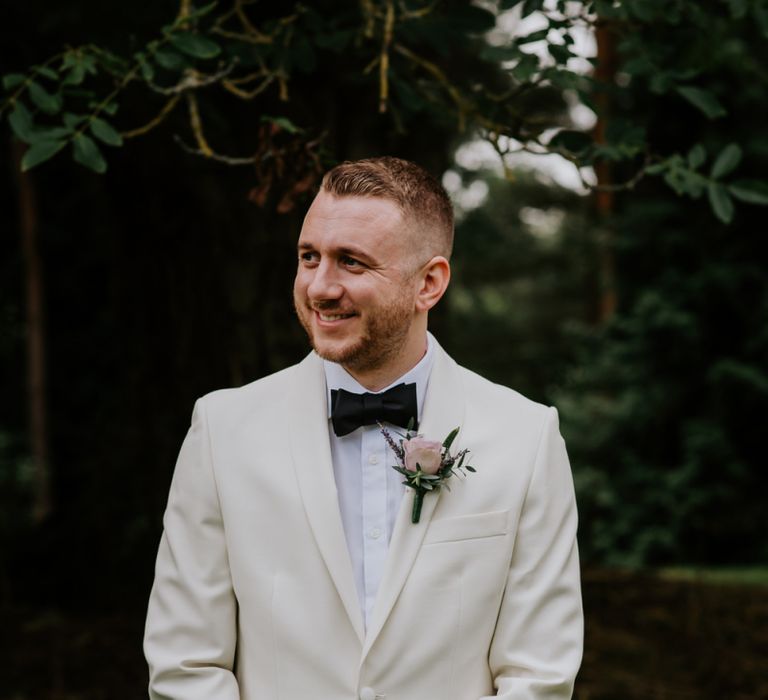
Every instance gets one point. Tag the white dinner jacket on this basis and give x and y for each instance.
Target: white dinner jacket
(254, 595)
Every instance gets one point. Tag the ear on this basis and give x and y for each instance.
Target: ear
(433, 281)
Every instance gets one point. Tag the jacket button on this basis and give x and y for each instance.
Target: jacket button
(367, 693)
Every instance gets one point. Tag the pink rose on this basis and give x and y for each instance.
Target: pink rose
(424, 453)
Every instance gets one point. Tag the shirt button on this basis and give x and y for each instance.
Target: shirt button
(373, 459)
(374, 533)
(367, 693)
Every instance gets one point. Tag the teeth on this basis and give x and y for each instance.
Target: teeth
(335, 317)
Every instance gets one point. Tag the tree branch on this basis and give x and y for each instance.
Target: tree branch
(164, 112)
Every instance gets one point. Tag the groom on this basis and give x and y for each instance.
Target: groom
(290, 567)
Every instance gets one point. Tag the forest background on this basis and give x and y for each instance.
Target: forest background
(607, 163)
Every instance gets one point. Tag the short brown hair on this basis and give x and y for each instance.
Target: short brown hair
(418, 195)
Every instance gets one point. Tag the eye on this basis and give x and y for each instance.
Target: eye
(348, 261)
(308, 256)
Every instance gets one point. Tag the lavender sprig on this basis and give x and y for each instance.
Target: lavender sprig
(397, 449)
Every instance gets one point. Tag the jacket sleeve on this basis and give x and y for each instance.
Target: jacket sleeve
(190, 634)
(537, 646)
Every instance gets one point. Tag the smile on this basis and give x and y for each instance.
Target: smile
(329, 318)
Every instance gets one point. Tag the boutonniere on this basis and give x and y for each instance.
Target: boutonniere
(426, 464)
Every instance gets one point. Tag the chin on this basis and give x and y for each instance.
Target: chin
(341, 352)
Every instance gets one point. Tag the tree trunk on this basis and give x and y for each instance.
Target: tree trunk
(35, 327)
(605, 74)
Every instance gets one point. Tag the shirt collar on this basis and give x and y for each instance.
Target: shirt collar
(336, 377)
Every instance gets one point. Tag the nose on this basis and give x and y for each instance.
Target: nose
(324, 285)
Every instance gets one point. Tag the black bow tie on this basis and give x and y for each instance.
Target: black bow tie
(396, 405)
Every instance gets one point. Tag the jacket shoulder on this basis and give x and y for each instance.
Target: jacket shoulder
(261, 392)
(498, 415)
(489, 397)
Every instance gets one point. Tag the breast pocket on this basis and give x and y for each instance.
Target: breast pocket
(468, 527)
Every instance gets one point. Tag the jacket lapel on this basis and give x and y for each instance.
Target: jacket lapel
(311, 451)
(443, 411)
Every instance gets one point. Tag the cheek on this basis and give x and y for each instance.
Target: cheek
(300, 284)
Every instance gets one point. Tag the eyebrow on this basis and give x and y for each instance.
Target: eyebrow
(344, 250)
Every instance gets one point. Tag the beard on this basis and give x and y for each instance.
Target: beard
(382, 336)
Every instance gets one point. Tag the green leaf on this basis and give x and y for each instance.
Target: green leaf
(449, 440)
(500, 53)
(657, 168)
(195, 45)
(21, 122)
(473, 19)
(47, 72)
(538, 35)
(530, 6)
(39, 153)
(696, 156)
(147, 71)
(674, 179)
(110, 108)
(525, 68)
(721, 202)
(76, 75)
(703, 100)
(469, 468)
(693, 183)
(50, 104)
(72, 120)
(204, 10)
(285, 124)
(51, 133)
(559, 52)
(170, 60)
(117, 65)
(104, 132)
(726, 161)
(71, 58)
(87, 153)
(12, 80)
(90, 62)
(750, 191)
(571, 141)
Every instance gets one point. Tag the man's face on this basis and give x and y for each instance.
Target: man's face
(355, 286)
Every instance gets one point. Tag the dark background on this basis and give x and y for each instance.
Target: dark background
(643, 318)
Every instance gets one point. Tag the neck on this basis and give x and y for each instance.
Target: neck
(377, 378)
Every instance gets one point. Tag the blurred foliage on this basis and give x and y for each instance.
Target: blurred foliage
(416, 60)
(663, 406)
(523, 269)
(665, 410)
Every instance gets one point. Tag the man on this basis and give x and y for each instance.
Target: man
(290, 566)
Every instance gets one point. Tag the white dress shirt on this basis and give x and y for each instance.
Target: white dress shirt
(369, 490)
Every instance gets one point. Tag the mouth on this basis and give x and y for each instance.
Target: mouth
(335, 317)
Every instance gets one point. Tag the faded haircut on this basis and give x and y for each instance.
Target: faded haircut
(419, 196)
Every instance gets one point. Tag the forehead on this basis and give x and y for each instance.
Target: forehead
(372, 222)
